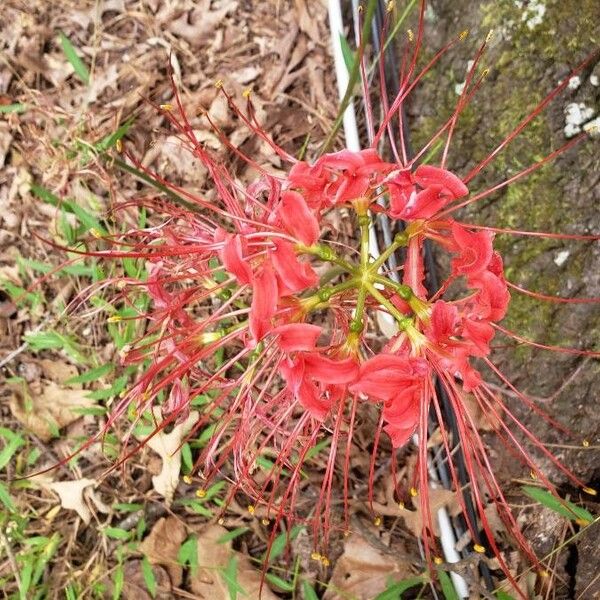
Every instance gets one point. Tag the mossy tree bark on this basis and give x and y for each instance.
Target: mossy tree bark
(535, 45)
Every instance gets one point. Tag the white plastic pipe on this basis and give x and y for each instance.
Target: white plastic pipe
(336, 26)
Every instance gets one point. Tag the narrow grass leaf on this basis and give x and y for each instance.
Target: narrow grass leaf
(281, 541)
(231, 535)
(282, 584)
(91, 375)
(447, 586)
(17, 107)
(347, 52)
(229, 574)
(78, 65)
(188, 554)
(149, 577)
(116, 533)
(5, 498)
(395, 590)
(562, 507)
(309, 591)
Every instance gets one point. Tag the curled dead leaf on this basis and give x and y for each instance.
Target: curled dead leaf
(168, 447)
(58, 370)
(74, 494)
(135, 588)
(162, 545)
(438, 498)
(208, 582)
(49, 410)
(364, 571)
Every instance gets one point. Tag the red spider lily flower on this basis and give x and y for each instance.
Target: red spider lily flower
(234, 255)
(314, 378)
(313, 180)
(384, 375)
(297, 218)
(237, 276)
(293, 275)
(402, 415)
(297, 337)
(264, 301)
(438, 186)
(474, 248)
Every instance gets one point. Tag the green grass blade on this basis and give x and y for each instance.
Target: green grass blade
(395, 590)
(447, 586)
(78, 65)
(562, 507)
(347, 52)
(17, 107)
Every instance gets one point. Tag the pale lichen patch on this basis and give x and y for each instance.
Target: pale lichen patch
(576, 114)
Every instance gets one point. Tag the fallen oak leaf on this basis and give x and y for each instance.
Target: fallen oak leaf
(162, 544)
(46, 412)
(72, 497)
(363, 571)
(58, 370)
(168, 447)
(214, 557)
(413, 519)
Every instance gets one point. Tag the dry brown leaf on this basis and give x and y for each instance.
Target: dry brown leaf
(51, 409)
(209, 584)
(363, 571)
(177, 157)
(438, 498)
(168, 447)
(198, 25)
(58, 370)
(484, 421)
(134, 587)
(307, 21)
(5, 141)
(162, 545)
(71, 495)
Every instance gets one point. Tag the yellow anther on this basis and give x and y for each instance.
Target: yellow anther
(463, 35)
(401, 505)
(485, 73)
(544, 573)
(489, 36)
(533, 474)
(201, 493)
(437, 560)
(247, 92)
(590, 491)
(325, 561)
(251, 509)
(582, 522)
(315, 556)
(265, 521)
(413, 492)
(168, 107)
(585, 443)
(219, 84)
(377, 521)
(479, 548)
(187, 479)
(221, 521)
(390, 6)
(114, 319)
(95, 233)
(411, 35)
(119, 146)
